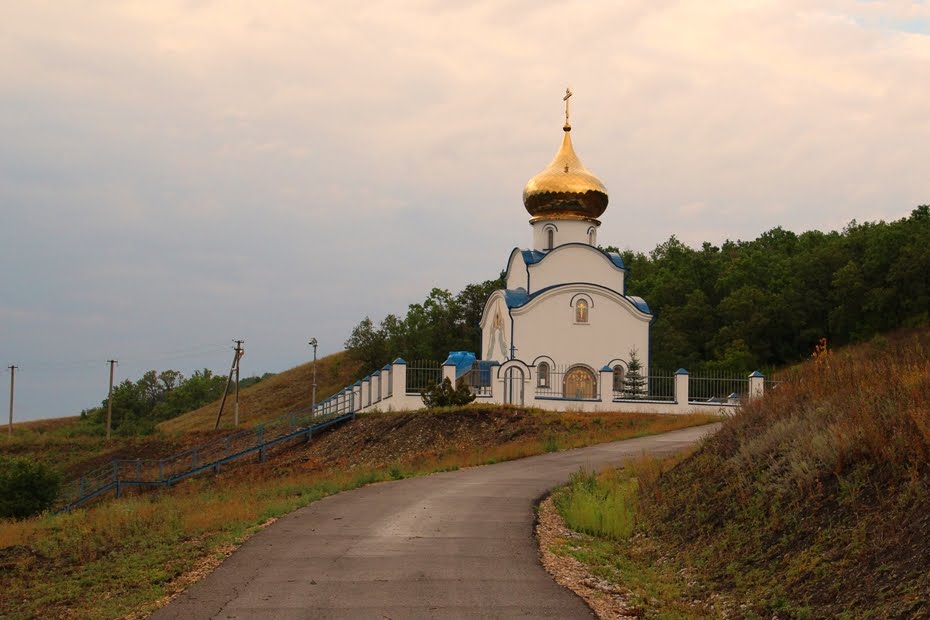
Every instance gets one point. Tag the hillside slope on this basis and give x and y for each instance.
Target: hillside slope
(815, 501)
(283, 393)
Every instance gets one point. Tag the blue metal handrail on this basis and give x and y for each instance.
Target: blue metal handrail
(167, 471)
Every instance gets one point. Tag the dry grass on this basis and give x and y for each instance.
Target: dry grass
(811, 503)
(278, 395)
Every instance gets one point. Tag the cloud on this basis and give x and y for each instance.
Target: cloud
(179, 170)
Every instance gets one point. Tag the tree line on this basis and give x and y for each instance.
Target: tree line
(155, 397)
(767, 302)
(740, 306)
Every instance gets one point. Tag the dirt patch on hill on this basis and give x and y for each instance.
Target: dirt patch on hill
(466, 436)
(380, 439)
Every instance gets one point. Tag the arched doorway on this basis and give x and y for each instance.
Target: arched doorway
(579, 382)
(513, 386)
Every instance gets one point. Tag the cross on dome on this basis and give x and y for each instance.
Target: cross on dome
(565, 189)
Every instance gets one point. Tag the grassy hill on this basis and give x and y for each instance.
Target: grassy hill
(120, 558)
(287, 391)
(813, 502)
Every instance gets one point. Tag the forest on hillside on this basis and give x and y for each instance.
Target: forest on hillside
(738, 306)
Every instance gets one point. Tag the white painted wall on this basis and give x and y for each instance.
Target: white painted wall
(565, 231)
(546, 326)
(575, 263)
(516, 271)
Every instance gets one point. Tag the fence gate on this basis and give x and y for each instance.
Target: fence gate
(513, 386)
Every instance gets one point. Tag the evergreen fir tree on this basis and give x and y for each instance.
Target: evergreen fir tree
(634, 384)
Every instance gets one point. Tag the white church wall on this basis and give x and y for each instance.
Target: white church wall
(575, 263)
(563, 231)
(516, 271)
(614, 328)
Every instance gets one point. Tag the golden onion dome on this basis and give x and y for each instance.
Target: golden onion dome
(565, 189)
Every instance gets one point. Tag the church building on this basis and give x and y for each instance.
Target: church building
(563, 332)
(564, 317)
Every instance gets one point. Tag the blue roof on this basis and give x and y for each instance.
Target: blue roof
(531, 257)
(640, 303)
(616, 259)
(516, 297)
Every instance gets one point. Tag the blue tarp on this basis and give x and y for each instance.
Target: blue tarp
(462, 360)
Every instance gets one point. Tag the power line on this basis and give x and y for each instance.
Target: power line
(140, 359)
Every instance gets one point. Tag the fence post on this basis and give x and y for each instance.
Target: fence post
(681, 390)
(399, 377)
(364, 388)
(357, 392)
(756, 385)
(375, 387)
(448, 372)
(387, 382)
(607, 385)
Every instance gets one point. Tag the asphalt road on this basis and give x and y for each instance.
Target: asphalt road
(451, 545)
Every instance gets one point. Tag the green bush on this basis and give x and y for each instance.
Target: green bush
(601, 505)
(26, 487)
(444, 395)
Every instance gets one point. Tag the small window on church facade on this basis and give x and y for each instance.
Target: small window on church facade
(591, 236)
(581, 311)
(550, 239)
(542, 374)
(618, 378)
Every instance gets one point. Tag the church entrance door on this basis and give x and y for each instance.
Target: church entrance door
(513, 386)
(579, 383)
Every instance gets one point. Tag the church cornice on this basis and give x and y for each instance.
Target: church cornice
(631, 303)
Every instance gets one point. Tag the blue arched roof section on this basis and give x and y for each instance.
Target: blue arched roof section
(640, 303)
(531, 257)
(616, 259)
(516, 297)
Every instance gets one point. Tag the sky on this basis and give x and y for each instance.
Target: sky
(177, 174)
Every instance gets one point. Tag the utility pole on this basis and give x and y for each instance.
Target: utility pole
(110, 399)
(239, 353)
(12, 368)
(313, 343)
(232, 369)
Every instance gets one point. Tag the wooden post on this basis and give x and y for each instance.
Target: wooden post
(110, 400)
